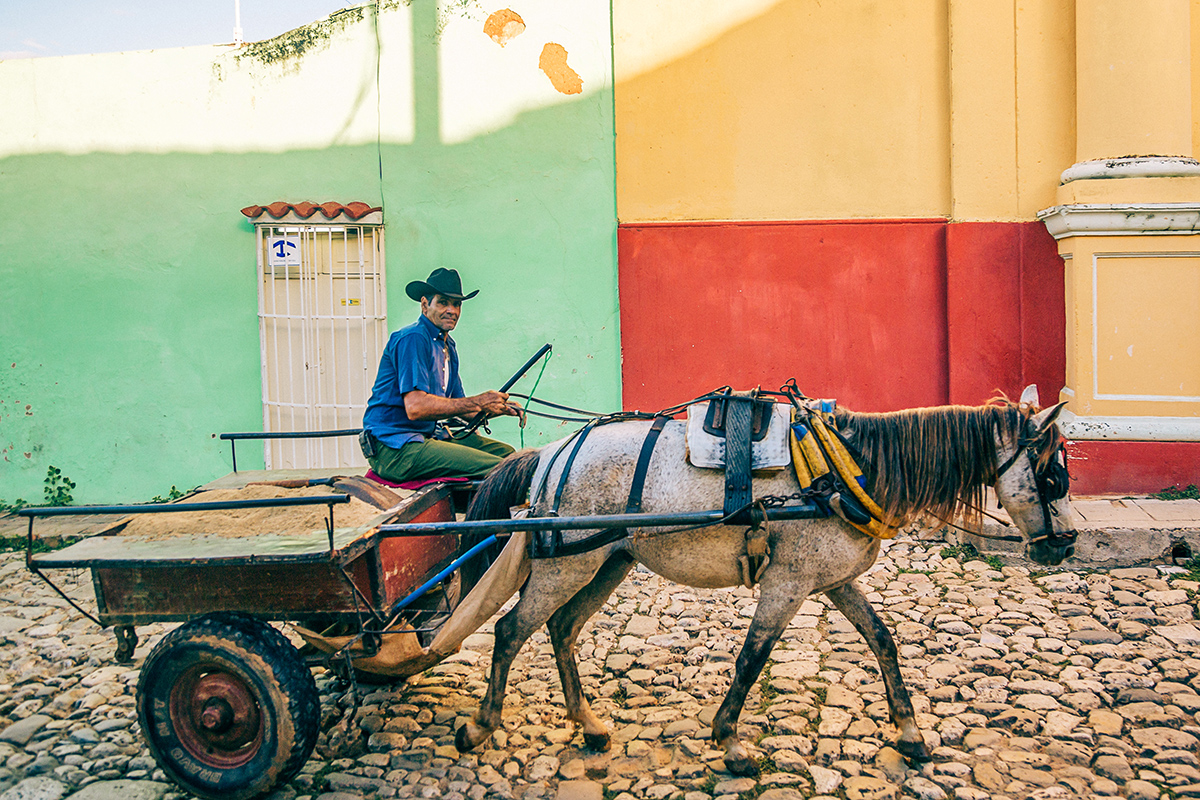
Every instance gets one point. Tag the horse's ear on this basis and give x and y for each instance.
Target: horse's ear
(1044, 419)
(1029, 397)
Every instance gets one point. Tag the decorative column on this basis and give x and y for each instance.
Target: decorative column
(1126, 220)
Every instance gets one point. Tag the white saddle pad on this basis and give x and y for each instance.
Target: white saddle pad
(706, 450)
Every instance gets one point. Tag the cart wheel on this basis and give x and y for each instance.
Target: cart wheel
(228, 707)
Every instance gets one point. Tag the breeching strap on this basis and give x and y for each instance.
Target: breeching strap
(551, 545)
(643, 465)
(562, 480)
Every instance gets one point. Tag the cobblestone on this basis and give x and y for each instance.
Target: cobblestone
(1057, 685)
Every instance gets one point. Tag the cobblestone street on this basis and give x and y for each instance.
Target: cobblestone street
(1028, 684)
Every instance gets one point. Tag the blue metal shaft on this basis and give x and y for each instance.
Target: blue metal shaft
(436, 579)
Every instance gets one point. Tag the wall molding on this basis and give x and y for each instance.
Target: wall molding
(1121, 219)
(1096, 393)
(1132, 167)
(1130, 429)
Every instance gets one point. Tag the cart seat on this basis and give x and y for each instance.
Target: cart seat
(412, 485)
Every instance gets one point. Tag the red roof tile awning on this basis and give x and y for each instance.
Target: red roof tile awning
(304, 210)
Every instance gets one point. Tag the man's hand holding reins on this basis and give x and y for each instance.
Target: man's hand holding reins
(422, 405)
(496, 404)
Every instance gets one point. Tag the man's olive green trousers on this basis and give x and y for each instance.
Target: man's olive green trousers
(471, 457)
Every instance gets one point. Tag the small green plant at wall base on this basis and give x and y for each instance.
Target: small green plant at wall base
(1193, 568)
(58, 488)
(174, 494)
(10, 544)
(15, 505)
(961, 552)
(1175, 493)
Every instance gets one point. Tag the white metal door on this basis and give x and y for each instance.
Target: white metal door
(323, 323)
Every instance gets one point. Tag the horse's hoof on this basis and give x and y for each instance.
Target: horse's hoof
(744, 766)
(600, 742)
(914, 752)
(469, 736)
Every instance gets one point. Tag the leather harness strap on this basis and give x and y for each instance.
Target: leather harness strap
(550, 543)
(643, 465)
(739, 484)
(562, 480)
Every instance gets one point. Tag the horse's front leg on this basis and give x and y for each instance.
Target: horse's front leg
(564, 626)
(548, 588)
(776, 607)
(851, 602)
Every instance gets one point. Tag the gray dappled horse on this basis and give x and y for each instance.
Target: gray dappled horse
(936, 460)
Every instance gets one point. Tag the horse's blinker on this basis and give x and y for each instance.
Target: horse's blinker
(1052, 481)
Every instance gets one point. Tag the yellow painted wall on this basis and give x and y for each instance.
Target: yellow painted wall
(802, 110)
(1133, 78)
(1194, 30)
(1012, 100)
(798, 109)
(1133, 345)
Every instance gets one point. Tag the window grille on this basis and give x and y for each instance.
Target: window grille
(322, 324)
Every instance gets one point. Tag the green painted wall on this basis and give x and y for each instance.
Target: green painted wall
(129, 330)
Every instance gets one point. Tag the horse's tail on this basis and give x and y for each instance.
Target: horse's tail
(506, 486)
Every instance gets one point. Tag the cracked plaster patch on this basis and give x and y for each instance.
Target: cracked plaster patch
(553, 62)
(503, 26)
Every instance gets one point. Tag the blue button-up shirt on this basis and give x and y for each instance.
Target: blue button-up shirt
(417, 357)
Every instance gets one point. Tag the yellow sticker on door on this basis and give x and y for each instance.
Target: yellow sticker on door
(351, 301)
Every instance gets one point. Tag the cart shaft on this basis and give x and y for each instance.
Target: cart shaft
(508, 526)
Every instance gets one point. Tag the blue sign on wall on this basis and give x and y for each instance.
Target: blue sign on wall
(283, 252)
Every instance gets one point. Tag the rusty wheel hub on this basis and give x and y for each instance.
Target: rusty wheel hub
(217, 717)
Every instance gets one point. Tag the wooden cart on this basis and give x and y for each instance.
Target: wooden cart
(227, 704)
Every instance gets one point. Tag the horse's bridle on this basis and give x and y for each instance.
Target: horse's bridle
(1052, 480)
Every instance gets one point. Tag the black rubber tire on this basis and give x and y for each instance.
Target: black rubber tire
(228, 707)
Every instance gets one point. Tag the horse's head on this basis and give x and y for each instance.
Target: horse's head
(1032, 484)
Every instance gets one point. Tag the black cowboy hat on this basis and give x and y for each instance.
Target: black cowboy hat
(441, 281)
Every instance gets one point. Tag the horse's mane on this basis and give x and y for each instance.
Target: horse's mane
(935, 460)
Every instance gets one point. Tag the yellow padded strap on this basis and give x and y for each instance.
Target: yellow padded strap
(845, 466)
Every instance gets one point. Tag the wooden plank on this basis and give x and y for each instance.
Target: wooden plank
(277, 576)
(120, 549)
(239, 480)
(269, 591)
(65, 528)
(112, 550)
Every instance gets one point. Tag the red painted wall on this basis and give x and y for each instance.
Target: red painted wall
(1006, 311)
(1131, 467)
(882, 315)
(852, 310)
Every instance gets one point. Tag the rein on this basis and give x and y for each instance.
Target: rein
(1008, 537)
(617, 416)
(1052, 480)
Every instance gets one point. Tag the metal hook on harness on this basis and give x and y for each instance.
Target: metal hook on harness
(758, 549)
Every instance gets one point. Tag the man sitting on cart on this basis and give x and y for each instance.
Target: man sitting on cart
(418, 387)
